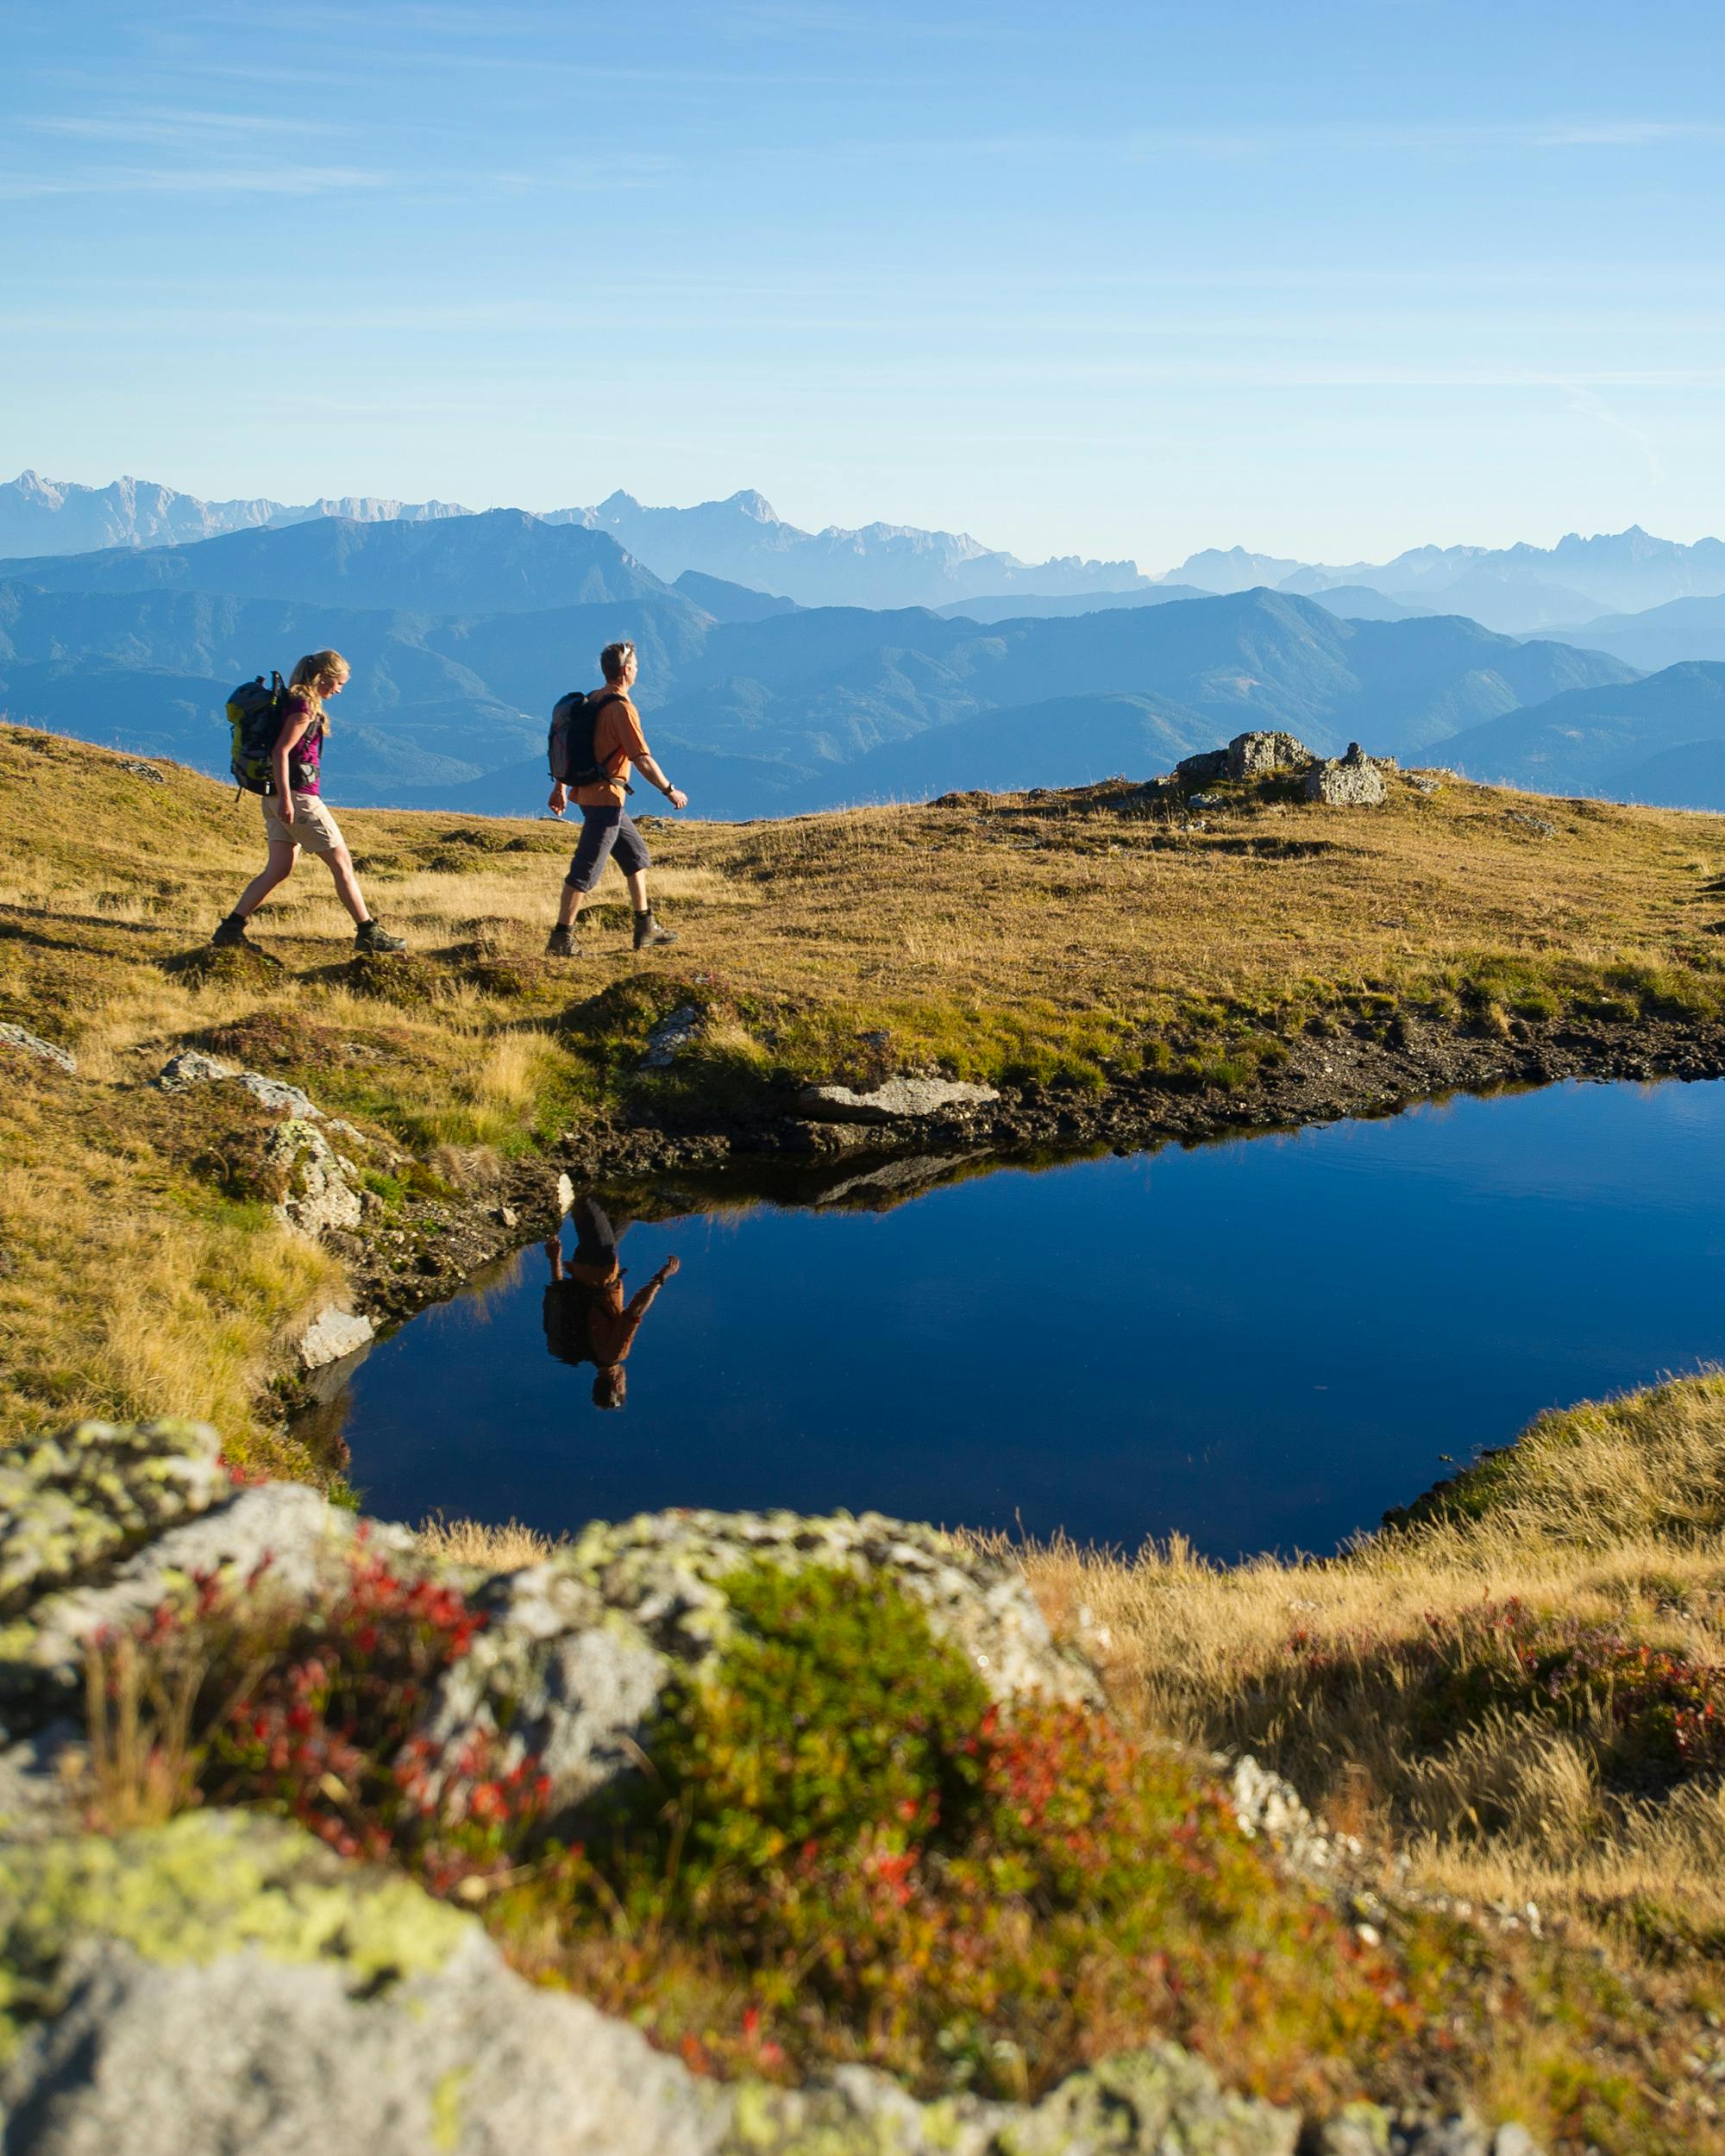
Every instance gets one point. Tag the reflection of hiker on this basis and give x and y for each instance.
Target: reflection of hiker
(586, 1320)
(594, 739)
(294, 814)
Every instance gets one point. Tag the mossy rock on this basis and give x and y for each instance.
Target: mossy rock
(76, 1499)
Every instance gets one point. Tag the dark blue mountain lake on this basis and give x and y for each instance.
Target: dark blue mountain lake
(1257, 1344)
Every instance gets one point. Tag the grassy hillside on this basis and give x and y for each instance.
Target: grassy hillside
(1073, 944)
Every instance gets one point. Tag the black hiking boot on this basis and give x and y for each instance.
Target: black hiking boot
(230, 931)
(372, 936)
(561, 943)
(648, 935)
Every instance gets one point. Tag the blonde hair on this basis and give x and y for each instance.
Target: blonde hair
(317, 673)
(613, 661)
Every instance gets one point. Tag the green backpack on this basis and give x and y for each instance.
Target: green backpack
(254, 713)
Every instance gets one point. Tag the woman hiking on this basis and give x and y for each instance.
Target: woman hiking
(294, 814)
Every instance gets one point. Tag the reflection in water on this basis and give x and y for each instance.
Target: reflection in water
(584, 1316)
(1261, 1344)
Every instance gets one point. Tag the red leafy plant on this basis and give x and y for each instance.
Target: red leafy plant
(313, 1710)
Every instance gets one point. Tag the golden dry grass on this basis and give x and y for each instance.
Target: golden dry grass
(510, 1548)
(1608, 1516)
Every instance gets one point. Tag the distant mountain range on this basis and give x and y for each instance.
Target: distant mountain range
(740, 540)
(38, 515)
(462, 631)
(1520, 590)
(1517, 589)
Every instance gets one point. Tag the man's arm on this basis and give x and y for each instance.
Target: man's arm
(634, 745)
(554, 1250)
(648, 768)
(641, 1302)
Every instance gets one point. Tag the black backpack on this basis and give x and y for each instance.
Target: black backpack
(254, 713)
(571, 745)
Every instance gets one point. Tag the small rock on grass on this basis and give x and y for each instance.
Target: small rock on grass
(332, 1334)
(44, 1051)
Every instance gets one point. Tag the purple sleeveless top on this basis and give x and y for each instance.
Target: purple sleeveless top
(304, 761)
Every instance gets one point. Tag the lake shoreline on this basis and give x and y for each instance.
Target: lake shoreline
(399, 1270)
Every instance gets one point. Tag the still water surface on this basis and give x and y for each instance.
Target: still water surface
(1261, 1344)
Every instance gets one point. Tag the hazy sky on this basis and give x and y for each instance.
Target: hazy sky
(1324, 277)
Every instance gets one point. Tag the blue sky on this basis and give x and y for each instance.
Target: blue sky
(1326, 278)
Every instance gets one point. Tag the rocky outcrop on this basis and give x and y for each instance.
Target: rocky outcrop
(34, 1045)
(896, 1101)
(225, 1983)
(1258, 756)
(1251, 755)
(192, 1068)
(317, 1182)
(577, 1651)
(84, 1497)
(1350, 781)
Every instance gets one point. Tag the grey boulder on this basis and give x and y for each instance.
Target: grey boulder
(897, 1100)
(1350, 781)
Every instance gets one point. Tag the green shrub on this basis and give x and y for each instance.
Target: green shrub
(840, 1849)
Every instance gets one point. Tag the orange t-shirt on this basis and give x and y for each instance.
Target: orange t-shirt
(619, 742)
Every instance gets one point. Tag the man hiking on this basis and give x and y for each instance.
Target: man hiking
(599, 786)
(587, 1321)
(294, 813)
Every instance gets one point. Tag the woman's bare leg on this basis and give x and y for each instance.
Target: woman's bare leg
(283, 853)
(348, 884)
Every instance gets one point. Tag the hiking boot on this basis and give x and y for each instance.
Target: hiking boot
(371, 935)
(230, 931)
(648, 933)
(561, 943)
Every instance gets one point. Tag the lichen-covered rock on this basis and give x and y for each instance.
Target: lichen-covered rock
(897, 1100)
(192, 1068)
(672, 1036)
(553, 1673)
(44, 1051)
(1149, 2103)
(224, 1983)
(78, 1498)
(1208, 765)
(666, 1571)
(577, 1650)
(1350, 781)
(302, 1541)
(316, 1194)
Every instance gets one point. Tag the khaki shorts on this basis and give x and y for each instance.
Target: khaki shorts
(313, 827)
